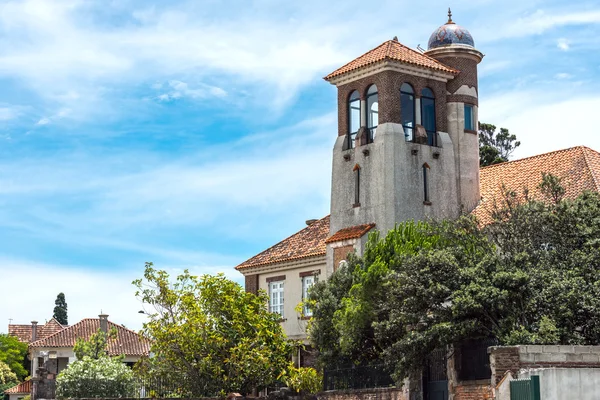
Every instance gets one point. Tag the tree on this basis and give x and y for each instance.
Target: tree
(8, 378)
(104, 377)
(530, 277)
(211, 333)
(60, 309)
(495, 147)
(13, 353)
(95, 373)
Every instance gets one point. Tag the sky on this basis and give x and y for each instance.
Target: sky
(195, 134)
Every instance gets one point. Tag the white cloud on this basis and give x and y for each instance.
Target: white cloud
(563, 75)
(8, 113)
(563, 44)
(182, 90)
(43, 121)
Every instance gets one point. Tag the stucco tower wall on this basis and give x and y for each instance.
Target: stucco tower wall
(391, 181)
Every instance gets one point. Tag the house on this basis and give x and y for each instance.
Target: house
(407, 149)
(20, 391)
(33, 332)
(55, 351)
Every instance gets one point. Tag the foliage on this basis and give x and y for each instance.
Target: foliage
(530, 277)
(211, 333)
(303, 380)
(495, 147)
(104, 377)
(96, 346)
(13, 353)
(60, 309)
(8, 378)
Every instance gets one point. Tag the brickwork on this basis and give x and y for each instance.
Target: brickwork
(341, 253)
(366, 394)
(252, 283)
(467, 68)
(473, 391)
(504, 359)
(388, 86)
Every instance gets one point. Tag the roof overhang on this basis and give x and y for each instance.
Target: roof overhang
(390, 65)
(284, 265)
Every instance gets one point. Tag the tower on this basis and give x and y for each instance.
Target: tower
(407, 146)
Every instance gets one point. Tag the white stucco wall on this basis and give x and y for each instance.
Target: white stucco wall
(293, 325)
(566, 383)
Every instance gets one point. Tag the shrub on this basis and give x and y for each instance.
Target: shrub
(303, 379)
(104, 377)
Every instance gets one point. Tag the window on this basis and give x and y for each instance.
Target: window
(372, 110)
(407, 107)
(353, 117)
(307, 282)
(356, 185)
(276, 297)
(428, 115)
(426, 183)
(469, 118)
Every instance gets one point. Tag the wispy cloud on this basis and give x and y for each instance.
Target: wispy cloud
(563, 44)
(179, 89)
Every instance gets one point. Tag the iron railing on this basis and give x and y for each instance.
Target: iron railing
(364, 377)
(475, 360)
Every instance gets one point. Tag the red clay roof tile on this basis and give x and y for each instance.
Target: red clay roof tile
(21, 388)
(392, 50)
(23, 332)
(309, 242)
(128, 342)
(353, 232)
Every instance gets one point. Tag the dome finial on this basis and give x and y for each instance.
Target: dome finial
(450, 16)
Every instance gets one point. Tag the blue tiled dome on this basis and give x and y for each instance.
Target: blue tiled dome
(450, 33)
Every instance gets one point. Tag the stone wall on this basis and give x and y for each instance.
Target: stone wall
(366, 394)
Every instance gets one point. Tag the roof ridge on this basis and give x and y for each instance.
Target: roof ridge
(33, 344)
(355, 58)
(283, 240)
(127, 329)
(584, 150)
(424, 55)
(530, 157)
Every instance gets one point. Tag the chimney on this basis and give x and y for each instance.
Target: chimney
(34, 331)
(103, 322)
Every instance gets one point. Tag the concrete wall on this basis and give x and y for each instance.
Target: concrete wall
(391, 181)
(293, 325)
(566, 383)
(366, 394)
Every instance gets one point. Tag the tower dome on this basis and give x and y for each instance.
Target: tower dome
(450, 34)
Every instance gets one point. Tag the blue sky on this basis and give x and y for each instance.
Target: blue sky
(195, 134)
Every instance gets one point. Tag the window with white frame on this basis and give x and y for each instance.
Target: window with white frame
(276, 297)
(307, 282)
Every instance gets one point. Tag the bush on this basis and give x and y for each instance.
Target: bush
(104, 377)
(303, 379)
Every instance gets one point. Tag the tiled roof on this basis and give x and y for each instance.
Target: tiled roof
(392, 50)
(353, 232)
(309, 242)
(23, 332)
(128, 342)
(577, 167)
(21, 388)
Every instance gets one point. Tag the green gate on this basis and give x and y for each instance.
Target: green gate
(525, 389)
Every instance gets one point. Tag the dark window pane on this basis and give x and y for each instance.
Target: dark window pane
(373, 110)
(427, 93)
(406, 88)
(354, 116)
(428, 118)
(468, 117)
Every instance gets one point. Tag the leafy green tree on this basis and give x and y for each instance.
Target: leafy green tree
(96, 346)
(60, 309)
(13, 353)
(303, 380)
(8, 378)
(495, 147)
(211, 333)
(530, 277)
(104, 377)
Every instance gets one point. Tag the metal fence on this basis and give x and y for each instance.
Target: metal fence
(475, 360)
(525, 389)
(365, 377)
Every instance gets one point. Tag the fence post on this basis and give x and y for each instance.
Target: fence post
(535, 387)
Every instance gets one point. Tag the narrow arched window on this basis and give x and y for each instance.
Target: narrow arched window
(428, 115)
(426, 199)
(407, 108)
(353, 117)
(356, 185)
(372, 110)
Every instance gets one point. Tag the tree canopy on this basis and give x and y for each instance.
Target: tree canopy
(12, 353)
(60, 309)
(530, 277)
(8, 378)
(495, 147)
(209, 332)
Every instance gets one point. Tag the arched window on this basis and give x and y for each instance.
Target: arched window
(353, 117)
(372, 110)
(428, 115)
(407, 107)
(426, 184)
